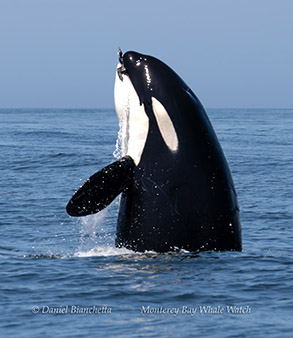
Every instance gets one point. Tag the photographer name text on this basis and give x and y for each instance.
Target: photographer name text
(71, 309)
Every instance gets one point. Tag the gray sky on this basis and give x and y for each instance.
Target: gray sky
(62, 53)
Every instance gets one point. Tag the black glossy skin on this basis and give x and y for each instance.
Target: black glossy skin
(183, 200)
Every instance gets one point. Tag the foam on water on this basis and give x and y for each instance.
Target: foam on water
(104, 251)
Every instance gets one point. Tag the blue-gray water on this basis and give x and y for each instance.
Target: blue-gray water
(48, 259)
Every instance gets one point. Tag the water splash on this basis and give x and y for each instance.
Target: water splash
(119, 142)
(123, 132)
(93, 231)
(117, 153)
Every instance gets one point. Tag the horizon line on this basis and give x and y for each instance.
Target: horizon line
(113, 108)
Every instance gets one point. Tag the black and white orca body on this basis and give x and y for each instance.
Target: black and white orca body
(177, 190)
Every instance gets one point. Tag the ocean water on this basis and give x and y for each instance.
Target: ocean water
(63, 276)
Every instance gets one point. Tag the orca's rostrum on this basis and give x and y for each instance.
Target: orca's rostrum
(176, 188)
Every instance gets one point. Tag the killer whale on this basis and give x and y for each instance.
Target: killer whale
(176, 188)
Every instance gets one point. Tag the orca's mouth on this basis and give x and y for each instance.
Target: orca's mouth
(121, 70)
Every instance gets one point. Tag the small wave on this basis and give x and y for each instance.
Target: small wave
(46, 256)
(105, 251)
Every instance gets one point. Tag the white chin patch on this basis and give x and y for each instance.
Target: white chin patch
(133, 121)
(165, 125)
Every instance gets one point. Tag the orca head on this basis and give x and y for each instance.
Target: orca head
(150, 76)
(142, 85)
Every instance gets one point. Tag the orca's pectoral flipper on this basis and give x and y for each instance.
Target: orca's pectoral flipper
(101, 188)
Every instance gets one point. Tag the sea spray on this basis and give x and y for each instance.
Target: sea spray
(93, 230)
(97, 234)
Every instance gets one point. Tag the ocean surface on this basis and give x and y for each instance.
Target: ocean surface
(63, 276)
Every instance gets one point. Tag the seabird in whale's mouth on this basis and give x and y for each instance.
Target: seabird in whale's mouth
(121, 70)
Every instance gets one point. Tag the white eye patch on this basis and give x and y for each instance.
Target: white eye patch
(165, 124)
